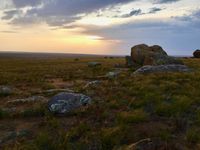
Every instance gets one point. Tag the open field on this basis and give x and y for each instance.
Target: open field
(163, 108)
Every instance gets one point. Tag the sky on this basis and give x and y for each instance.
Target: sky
(99, 26)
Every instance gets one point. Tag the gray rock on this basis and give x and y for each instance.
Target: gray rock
(113, 74)
(14, 135)
(65, 102)
(5, 91)
(57, 90)
(23, 133)
(162, 68)
(94, 64)
(29, 99)
(92, 83)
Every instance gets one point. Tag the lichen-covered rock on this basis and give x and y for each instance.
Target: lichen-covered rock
(151, 55)
(65, 102)
(196, 54)
(162, 68)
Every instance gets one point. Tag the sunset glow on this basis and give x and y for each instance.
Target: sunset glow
(99, 27)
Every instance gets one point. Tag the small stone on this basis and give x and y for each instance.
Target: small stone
(112, 74)
(23, 133)
(92, 83)
(94, 64)
(5, 91)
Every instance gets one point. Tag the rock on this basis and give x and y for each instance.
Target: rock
(23, 133)
(57, 90)
(162, 68)
(118, 65)
(151, 55)
(129, 61)
(9, 110)
(11, 136)
(196, 54)
(94, 64)
(92, 83)
(5, 91)
(65, 102)
(29, 99)
(112, 74)
(146, 144)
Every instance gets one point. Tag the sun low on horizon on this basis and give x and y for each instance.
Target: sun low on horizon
(99, 27)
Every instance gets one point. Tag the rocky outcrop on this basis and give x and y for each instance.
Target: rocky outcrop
(196, 54)
(162, 68)
(151, 55)
(65, 102)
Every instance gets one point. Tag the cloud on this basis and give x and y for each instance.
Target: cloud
(165, 1)
(24, 3)
(58, 12)
(154, 10)
(10, 14)
(176, 35)
(8, 31)
(135, 12)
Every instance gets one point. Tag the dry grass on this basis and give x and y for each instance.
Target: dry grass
(126, 109)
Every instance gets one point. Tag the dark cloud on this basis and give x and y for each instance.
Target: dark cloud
(154, 10)
(137, 12)
(10, 14)
(58, 12)
(132, 13)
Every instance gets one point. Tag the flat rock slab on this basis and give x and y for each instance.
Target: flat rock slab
(66, 102)
(162, 68)
(29, 99)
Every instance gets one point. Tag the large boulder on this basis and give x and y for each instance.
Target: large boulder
(151, 55)
(66, 102)
(196, 54)
(162, 68)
